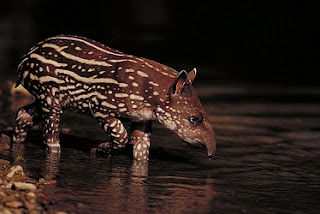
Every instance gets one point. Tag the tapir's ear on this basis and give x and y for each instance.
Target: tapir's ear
(179, 82)
(192, 74)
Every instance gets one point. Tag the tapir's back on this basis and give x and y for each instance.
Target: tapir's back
(85, 58)
(76, 69)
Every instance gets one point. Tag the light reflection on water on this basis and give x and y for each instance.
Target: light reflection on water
(267, 160)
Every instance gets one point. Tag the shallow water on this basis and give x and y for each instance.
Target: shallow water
(267, 160)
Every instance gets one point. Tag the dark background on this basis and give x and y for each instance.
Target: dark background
(262, 41)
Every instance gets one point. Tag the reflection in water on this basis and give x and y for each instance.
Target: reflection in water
(138, 194)
(139, 170)
(51, 165)
(17, 149)
(51, 160)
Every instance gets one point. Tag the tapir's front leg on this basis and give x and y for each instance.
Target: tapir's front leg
(141, 145)
(118, 134)
(140, 139)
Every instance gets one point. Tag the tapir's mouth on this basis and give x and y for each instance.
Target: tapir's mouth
(195, 144)
(199, 145)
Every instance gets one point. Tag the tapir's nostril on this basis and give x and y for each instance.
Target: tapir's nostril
(210, 157)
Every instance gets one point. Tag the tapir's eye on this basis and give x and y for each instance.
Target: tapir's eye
(195, 120)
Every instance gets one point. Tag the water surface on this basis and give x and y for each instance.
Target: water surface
(267, 160)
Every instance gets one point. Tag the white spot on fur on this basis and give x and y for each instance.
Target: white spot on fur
(121, 95)
(123, 85)
(108, 105)
(122, 109)
(140, 73)
(136, 97)
(49, 101)
(129, 70)
(113, 124)
(153, 83)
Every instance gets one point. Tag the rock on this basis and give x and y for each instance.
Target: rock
(8, 186)
(13, 170)
(29, 206)
(19, 158)
(53, 182)
(5, 211)
(24, 186)
(14, 204)
(42, 181)
(4, 146)
(31, 195)
(5, 138)
(4, 163)
(5, 142)
(19, 91)
(21, 186)
(18, 193)
(35, 212)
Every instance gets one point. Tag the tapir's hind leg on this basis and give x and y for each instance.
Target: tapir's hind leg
(30, 115)
(27, 117)
(118, 134)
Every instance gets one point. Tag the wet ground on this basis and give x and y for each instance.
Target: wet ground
(267, 160)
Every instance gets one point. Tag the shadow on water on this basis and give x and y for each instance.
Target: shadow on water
(267, 161)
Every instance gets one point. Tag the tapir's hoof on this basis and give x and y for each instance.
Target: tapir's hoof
(102, 149)
(53, 150)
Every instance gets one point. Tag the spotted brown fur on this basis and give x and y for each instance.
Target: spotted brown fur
(72, 72)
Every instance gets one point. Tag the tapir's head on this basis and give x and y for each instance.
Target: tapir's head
(184, 114)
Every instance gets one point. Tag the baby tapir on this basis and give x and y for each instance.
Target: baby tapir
(72, 72)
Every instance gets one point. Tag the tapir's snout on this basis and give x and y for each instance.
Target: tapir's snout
(208, 142)
(211, 147)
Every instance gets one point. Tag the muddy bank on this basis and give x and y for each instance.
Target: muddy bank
(18, 192)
